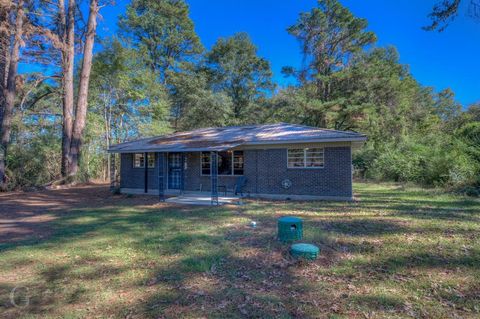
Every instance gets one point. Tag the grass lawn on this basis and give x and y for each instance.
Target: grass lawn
(397, 252)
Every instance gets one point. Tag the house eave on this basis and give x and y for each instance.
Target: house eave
(353, 140)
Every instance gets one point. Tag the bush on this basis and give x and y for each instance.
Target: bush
(427, 160)
(33, 164)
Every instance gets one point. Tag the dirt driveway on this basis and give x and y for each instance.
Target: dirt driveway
(26, 214)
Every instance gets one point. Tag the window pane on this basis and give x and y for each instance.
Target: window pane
(296, 158)
(308, 157)
(314, 162)
(151, 160)
(225, 163)
(205, 163)
(295, 153)
(295, 162)
(314, 157)
(314, 151)
(238, 162)
(138, 160)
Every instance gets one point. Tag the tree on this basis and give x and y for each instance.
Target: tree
(196, 105)
(60, 28)
(126, 101)
(35, 149)
(442, 14)
(81, 108)
(162, 31)
(330, 36)
(445, 11)
(235, 69)
(12, 18)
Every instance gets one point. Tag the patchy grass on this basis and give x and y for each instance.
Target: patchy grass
(395, 253)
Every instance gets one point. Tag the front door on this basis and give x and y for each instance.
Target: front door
(174, 170)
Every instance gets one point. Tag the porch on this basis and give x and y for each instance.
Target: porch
(203, 199)
(204, 174)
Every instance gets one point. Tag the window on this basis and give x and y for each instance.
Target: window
(229, 163)
(205, 163)
(305, 158)
(139, 160)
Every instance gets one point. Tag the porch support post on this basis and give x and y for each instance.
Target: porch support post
(182, 172)
(145, 164)
(214, 177)
(161, 191)
(113, 175)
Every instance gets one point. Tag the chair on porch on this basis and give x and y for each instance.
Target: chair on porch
(237, 188)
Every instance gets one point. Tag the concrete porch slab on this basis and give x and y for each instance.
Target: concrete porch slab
(194, 199)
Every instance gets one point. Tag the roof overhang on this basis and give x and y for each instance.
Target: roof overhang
(357, 142)
(217, 148)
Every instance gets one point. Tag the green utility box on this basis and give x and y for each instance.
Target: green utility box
(306, 251)
(290, 229)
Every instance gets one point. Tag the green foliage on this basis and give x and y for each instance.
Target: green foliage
(435, 159)
(196, 105)
(34, 154)
(442, 14)
(235, 69)
(163, 33)
(34, 163)
(127, 94)
(330, 36)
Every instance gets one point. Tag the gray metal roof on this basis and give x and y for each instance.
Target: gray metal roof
(223, 138)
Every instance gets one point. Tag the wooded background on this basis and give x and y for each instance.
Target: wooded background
(155, 77)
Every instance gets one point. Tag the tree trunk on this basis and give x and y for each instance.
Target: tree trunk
(10, 92)
(4, 53)
(81, 111)
(68, 56)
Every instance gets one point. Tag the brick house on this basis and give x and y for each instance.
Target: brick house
(273, 161)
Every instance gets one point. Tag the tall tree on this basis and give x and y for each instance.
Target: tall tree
(126, 98)
(64, 34)
(163, 32)
(13, 19)
(330, 36)
(81, 107)
(236, 70)
(196, 104)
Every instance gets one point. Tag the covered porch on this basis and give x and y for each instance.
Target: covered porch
(189, 176)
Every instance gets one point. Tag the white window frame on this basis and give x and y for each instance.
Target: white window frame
(233, 165)
(304, 150)
(144, 160)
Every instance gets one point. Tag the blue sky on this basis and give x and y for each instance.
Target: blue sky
(441, 60)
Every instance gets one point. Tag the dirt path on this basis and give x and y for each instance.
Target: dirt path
(26, 214)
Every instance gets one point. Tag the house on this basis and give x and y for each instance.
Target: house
(276, 161)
